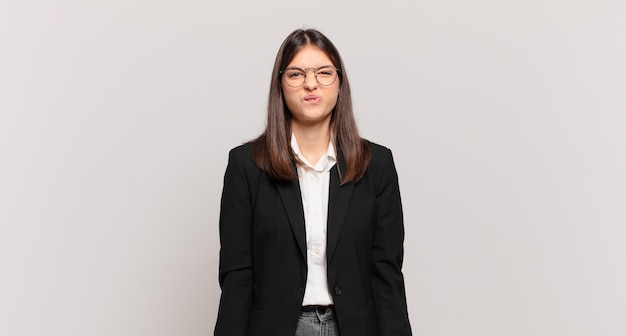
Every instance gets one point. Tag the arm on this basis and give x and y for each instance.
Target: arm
(235, 269)
(387, 279)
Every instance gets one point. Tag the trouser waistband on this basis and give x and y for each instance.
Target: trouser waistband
(318, 309)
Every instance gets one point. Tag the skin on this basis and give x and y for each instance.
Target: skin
(311, 117)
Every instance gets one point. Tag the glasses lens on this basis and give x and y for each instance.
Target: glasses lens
(294, 77)
(326, 75)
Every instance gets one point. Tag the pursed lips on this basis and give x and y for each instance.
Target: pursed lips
(312, 98)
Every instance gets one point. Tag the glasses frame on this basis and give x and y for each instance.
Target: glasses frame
(305, 70)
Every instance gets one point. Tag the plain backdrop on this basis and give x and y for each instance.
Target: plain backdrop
(507, 120)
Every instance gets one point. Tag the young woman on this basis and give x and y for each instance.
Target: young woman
(311, 224)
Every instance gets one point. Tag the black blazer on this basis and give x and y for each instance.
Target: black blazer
(263, 269)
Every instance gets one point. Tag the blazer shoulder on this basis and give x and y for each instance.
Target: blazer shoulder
(240, 157)
(381, 155)
(241, 151)
(381, 169)
(241, 154)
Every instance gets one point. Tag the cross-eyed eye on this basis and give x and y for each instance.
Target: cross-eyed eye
(295, 74)
(326, 72)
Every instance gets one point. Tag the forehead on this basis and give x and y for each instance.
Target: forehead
(310, 57)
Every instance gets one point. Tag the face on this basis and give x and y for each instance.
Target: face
(311, 103)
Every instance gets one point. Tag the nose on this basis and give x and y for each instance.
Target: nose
(310, 82)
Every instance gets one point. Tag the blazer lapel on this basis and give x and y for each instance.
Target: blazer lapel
(338, 201)
(291, 198)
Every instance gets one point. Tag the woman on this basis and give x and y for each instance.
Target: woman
(311, 225)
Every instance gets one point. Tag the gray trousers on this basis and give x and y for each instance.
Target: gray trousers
(317, 324)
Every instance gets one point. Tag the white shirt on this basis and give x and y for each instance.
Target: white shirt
(314, 185)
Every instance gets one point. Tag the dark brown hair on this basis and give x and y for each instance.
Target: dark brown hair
(272, 150)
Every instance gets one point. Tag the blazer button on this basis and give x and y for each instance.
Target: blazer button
(337, 290)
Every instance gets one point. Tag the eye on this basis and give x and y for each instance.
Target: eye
(326, 72)
(294, 74)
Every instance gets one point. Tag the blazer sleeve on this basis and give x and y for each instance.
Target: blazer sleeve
(235, 267)
(387, 280)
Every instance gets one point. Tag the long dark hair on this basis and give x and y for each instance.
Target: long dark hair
(272, 150)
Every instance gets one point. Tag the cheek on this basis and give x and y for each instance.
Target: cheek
(290, 99)
(335, 97)
(337, 91)
(333, 102)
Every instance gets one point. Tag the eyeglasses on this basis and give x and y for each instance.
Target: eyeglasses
(295, 77)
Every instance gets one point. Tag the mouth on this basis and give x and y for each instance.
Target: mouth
(312, 98)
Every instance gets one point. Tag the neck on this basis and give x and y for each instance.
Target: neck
(312, 141)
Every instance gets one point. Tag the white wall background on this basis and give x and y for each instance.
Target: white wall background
(507, 120)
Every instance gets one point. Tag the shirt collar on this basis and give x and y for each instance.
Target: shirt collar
(325, 163)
